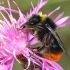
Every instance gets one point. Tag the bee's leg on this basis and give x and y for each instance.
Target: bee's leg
(48, 38)
(40, 27)
(46, 43)
(41, 33)
(41, 48)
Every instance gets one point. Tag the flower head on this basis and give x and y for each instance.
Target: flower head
(14, 42)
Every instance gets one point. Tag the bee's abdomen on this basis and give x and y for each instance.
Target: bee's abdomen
(55, 47)
(53, 56)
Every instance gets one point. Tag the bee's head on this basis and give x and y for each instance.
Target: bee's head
(34, 20)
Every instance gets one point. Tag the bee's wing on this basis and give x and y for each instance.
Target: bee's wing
(57, 39)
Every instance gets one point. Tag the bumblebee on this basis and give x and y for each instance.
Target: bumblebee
(43, 28)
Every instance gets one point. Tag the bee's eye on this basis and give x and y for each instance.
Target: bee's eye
(35, 19)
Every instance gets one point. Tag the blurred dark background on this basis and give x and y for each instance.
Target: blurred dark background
(64, 32)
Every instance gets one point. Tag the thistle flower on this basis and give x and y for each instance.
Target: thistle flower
(15, 43)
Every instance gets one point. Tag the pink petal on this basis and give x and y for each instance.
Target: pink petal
(64, 24)
(7, 22)
(59, 16)
(39, 5)
(54, 11)
(12, 10)
(62, 20)
(33, 41)
(4, 67)
(32, 5)
(30, 36)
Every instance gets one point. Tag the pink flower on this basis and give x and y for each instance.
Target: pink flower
(14, 42)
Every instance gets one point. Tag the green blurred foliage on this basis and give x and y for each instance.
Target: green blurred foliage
(64, 32)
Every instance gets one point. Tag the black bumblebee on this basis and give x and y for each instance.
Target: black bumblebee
(43, 28)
